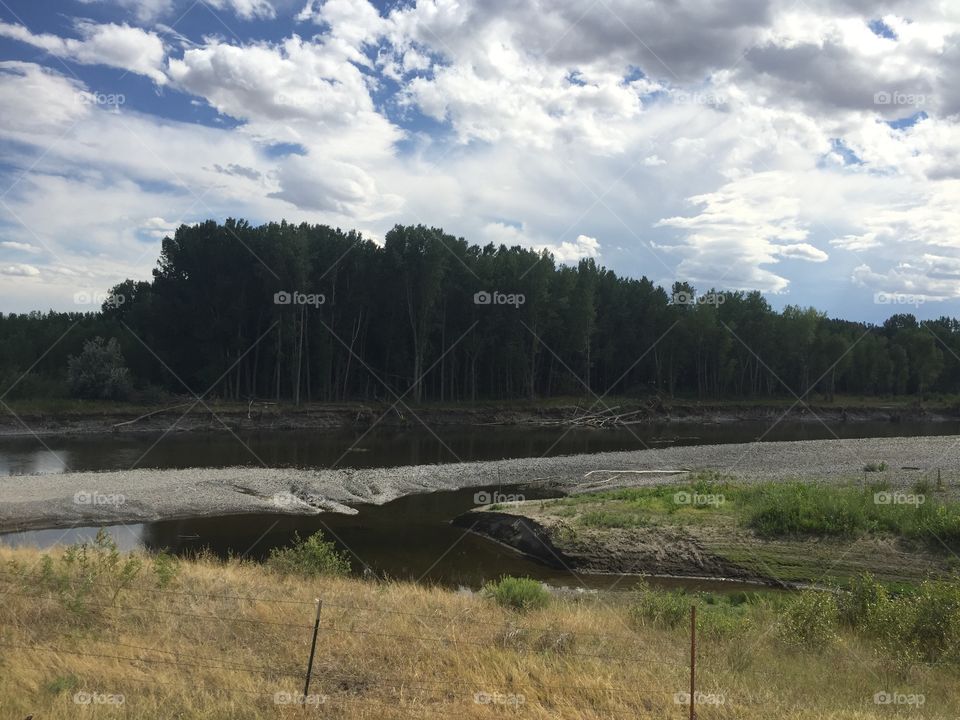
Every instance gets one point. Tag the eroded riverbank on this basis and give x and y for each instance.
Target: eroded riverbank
(189, 416)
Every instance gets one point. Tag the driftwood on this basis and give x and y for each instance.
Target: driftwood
(640, 472)
(153, 412)
(609, 417)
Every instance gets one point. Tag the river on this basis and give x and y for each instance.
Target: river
(409, 538)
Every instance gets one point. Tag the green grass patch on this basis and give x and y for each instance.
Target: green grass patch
(519, 593)
(775, 510)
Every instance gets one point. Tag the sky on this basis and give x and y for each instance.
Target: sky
(809, 150)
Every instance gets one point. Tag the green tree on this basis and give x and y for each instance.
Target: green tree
(99, 373)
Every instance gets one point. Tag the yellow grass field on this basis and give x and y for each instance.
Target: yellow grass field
(231, 640)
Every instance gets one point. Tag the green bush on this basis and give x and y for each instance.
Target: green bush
(165, 568)
(661, 608)
(517, 593)
(99, 373)
(918, 625)
(88, 573)
(810, 620)
(861, 602)
(313, 556)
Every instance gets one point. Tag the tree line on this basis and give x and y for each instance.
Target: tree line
(313, 313)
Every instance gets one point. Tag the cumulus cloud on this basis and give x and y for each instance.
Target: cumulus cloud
(738, 144)
(317, 183)
(19, 270)
(121, 46)
(567, 252)
(741, 227)
(35, 100)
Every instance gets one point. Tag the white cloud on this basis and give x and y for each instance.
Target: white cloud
(565, 252)
(802, 251)
(555, 115)
(121, 46)
(145, 10)
(742, 226)
(19, 246)
(20, 270)
(246, 9)
(38, 101)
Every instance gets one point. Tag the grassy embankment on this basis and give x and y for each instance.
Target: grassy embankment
(791, 532)
(203, 649)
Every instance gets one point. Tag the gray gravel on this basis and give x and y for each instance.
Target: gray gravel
(38, 501)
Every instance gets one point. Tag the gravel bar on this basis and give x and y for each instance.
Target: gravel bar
(92, 498)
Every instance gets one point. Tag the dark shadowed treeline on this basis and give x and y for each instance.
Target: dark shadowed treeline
(312, 313)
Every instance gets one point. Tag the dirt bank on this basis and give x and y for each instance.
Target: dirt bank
(34, 501)
(92, 418)
(720, 552)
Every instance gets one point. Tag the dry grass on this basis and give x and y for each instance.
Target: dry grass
(176, 653)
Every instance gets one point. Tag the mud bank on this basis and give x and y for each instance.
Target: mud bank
(660, 552)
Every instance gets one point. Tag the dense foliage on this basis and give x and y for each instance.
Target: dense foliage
(308, 312)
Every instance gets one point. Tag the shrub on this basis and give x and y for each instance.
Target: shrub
(518, 593)
(310, 557)
(99, 373)
(810, 620)
(875, 466)
(165, 568)
(864, 598)
(666, 609)
(86, 573)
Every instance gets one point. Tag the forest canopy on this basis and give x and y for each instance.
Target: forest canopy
(313, 313)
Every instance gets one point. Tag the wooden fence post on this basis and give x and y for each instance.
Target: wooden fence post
(693, 661)
(313, 649)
